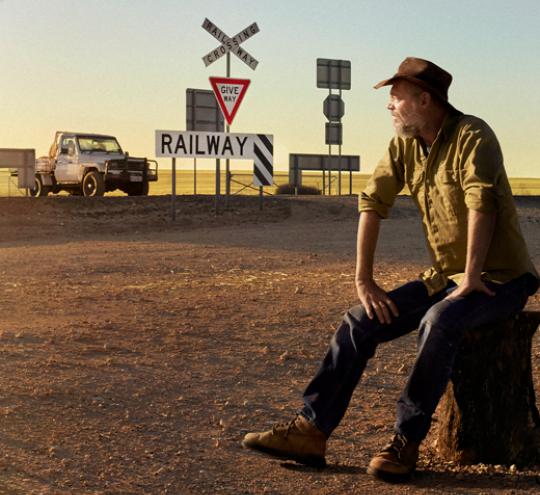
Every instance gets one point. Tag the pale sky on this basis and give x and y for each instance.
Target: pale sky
(122, 67)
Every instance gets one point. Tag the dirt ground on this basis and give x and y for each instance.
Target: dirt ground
(137, 352)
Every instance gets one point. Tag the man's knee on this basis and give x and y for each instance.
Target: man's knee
(358, 320)
(440, 321)
(357, 330)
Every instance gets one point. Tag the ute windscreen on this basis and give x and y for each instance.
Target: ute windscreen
(95, 144)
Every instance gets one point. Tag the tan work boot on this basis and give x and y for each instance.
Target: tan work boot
(299, 440)
(397, 460)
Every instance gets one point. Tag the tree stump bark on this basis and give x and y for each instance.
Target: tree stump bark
(488, 413)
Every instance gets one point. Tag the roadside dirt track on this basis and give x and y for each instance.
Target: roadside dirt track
(135, 353)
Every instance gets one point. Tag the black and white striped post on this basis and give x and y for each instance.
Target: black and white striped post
(263, 167)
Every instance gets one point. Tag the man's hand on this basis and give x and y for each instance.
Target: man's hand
(479, 234)
(372, 297)
(470, 284)
(376, 301)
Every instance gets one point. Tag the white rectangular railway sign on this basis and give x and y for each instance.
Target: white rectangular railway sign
(230, 44)
(187, 144)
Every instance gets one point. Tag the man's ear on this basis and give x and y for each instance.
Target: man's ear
(425, 98)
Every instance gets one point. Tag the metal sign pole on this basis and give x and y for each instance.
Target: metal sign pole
(323, 178)
(339, 148)
(329, 160)
(339, 170)
(329, 170)
(195, 159)
(296, 176)
(194, 176)
(227, 130)
(173, 195)
(218, 183)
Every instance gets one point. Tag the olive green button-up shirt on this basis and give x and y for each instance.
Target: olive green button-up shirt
(463, 170)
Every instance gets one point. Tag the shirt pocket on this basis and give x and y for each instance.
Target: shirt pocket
(415, 179)
(450, 192)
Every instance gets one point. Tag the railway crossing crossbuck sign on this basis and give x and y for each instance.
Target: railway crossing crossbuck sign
(230, 44)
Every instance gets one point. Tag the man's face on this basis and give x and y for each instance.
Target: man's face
(404, 105)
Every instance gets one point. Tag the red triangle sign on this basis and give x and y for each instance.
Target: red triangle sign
(229, 94)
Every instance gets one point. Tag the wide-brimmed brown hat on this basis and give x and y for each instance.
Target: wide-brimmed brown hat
(423, 73)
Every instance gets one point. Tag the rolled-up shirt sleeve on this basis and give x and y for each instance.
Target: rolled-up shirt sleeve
(481, 168)
(385, 183)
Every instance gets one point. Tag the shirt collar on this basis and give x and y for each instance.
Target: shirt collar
(450, 121)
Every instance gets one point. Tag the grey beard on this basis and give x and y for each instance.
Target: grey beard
(407, 131)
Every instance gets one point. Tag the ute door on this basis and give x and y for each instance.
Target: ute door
(67, 165)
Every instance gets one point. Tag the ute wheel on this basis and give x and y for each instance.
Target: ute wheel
(93, 184)
(138, 189)
(39, 189)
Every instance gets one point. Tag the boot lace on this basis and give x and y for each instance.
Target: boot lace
(285, 428)
(397, 445)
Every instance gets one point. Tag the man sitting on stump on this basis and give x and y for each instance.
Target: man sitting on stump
(481, 273)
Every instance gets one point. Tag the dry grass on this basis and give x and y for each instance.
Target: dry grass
(242, 183)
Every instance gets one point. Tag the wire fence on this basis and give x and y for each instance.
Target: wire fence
(204, 182)
(241, 183)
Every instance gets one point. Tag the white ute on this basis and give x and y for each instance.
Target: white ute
(90, 165)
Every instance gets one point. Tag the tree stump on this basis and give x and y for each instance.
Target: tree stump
(488, 413)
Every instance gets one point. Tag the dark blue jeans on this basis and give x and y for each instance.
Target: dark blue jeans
(441, 323)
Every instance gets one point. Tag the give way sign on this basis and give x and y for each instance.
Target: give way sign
(229, 94)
